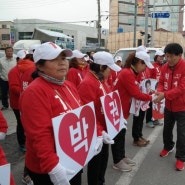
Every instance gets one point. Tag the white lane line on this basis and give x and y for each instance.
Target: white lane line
(126, 178)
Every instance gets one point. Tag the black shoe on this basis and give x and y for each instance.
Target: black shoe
(4, 108)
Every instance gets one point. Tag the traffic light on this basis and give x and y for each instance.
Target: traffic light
(142, 33)
(149, 39)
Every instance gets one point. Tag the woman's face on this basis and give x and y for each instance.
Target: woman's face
(81, 61)
(140, 66)
(56, 68)
(106, 72)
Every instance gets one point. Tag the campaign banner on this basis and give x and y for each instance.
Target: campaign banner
(113, 113)
(5, 174)
(148, 86)
(135, 106)
(75, 137)
(158, 110)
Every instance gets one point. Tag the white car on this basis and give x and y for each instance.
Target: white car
(124, 52)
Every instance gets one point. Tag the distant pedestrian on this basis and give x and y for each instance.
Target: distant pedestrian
(171, 86)
(6, 64)
(155, 73)
(78, 67)
(19, 78)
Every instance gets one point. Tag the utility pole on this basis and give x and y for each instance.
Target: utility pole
(135, 22)
(146, 22)
(99, 24)
(153, 26)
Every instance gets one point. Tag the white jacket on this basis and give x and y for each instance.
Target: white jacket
(5, 66)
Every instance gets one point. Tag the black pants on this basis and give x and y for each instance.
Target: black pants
(169, 121)
(97, 166)
(137, 125)
(20, 130)
(4, 93)
(118, 148)
(39, 179)
(149, 113)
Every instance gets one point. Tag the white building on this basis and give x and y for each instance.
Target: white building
(82, 35)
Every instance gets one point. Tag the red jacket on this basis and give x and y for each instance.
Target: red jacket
(17, 77)
(76, 75)
(155, 73)
(3, 160)
(111, 80)
(143, 75)
(39, 103)
(172, 83)
(91, 89)
(127, 86)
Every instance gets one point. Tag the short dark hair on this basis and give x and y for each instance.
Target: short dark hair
(147, 82)
(173, 48)
(8, 47)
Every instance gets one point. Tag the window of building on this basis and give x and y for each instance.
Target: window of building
(25, 35)
(4, 26)
(5, 36)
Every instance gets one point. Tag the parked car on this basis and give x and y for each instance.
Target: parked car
(124, 52)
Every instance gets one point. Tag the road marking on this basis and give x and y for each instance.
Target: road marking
(126, 178)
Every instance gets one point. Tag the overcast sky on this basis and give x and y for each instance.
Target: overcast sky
(54, 10)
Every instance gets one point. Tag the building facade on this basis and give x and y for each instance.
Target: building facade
(7, 34)
(134, 23)
(124, 13)
(23, 29)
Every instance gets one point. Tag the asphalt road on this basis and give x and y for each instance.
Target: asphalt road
(151, 169)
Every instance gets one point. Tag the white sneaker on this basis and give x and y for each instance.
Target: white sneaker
(122, 166)
(129, 161)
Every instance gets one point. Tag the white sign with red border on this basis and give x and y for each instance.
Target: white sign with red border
(5, 174)
(75, 137)
(112, 109)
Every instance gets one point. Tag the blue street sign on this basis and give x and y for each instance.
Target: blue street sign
(160, 15)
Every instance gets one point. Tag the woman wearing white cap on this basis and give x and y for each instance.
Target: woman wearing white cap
(127, 87)
(114, 74)
(155, 73)
(78, 67)
(91, 88)
(19, 77)
(48, 96)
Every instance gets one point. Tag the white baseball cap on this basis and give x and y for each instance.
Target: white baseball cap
(78, 54)
(49, 51)
(117, 58)
(145, 57)
(105, 58)
(159, 52)
(32, 48)
(142, 48)
(22, 53)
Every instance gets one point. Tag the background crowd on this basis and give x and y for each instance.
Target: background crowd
(57, 81)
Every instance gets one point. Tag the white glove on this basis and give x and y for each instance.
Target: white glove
(2, 135)
(99, 144)
(58, 175)
(125, 121)
(154, 97)
(106, 138)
